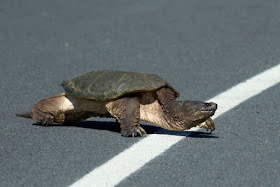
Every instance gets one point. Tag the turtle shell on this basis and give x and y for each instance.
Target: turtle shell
(109, 85)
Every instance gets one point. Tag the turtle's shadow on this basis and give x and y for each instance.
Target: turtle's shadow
(115, 127)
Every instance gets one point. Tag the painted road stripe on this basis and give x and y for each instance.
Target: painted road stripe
(130, 160)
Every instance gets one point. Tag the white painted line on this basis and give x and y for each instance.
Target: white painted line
(124, 164)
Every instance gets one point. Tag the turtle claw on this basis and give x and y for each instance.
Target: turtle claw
(208, 125)
(47, 120)
(133, 132)
(141, 131)
(44, 119)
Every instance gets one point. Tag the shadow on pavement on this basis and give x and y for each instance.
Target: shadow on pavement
(115, 127)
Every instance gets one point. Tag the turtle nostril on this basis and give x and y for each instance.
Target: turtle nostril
(214, 106)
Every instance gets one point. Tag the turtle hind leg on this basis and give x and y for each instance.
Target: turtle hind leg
(50, 110)
(42, 116)
(127, 112)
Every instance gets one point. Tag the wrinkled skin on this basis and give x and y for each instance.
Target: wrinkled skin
(183, 115)
(195, 112)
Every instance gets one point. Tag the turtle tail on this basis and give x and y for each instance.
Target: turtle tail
(25, 115)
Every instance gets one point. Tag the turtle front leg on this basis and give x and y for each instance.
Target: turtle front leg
(207, 124)
(127, 112)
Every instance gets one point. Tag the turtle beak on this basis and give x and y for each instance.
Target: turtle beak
(209, 109)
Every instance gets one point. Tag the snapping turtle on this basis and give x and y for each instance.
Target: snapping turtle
(127, 96)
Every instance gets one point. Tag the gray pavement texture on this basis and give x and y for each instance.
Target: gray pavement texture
(200, 47)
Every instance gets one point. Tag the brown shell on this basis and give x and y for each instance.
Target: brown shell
(109, 85)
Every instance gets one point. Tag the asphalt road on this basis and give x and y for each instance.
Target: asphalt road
(200, 47)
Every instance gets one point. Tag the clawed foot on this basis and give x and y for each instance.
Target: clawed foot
(47, 120)
(134, 131)
(43, 118)
(208, 125)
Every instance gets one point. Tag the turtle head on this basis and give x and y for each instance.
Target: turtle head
(196, 112)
